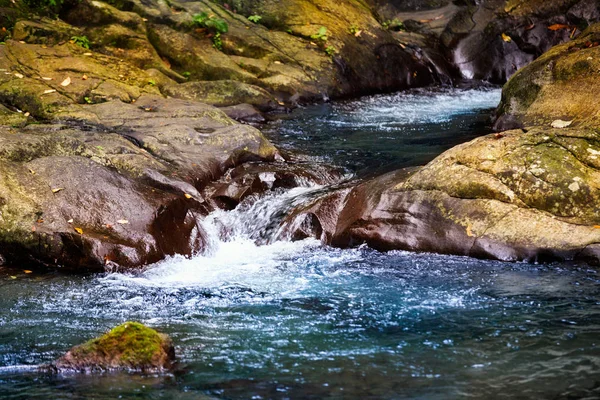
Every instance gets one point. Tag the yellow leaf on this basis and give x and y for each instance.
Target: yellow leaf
(469, 231)
(84, 77)
(187, 196)
(79, 230)
(27, 271)
(358, 33)
(46, 78)
(506, 38)
(13, 277)
(56, 190)
(20, 76)
(122, 221)
(49, 91)
(66, 82)
(70, 221)
(596, 226)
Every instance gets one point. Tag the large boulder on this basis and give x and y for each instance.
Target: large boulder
(130, 347)
(517, 196)
(560, 85)
(120, 189)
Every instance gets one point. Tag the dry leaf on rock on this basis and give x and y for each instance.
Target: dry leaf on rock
(66, 82)
(559, 123)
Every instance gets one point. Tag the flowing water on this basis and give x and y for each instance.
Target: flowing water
(300, 320)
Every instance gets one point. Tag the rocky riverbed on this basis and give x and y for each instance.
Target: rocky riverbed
(107, 143)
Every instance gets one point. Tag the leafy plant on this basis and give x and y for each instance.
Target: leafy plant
(88, 100)
(216, 26)
(320, 35)
(394, 25)
(254, 18)
(211, 23)
(151, 82)
(330, 50)
(353, 30)
(81, 41)
(186, 74)
(217, 42)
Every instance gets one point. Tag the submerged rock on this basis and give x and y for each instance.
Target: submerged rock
(128, 347)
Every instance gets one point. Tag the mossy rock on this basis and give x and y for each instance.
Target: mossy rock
(561, 84)
(131, 346)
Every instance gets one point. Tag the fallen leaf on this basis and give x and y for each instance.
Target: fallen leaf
(27, 271)
(469, 231)
(56, 190)
(70, 221)
(46, 78)
(596, 226)
(27, 114)
(122, 221)
(31, 171)
(84, 77)
(49, 91)
(358, 33)
(87, 54)
(276, 62)
(40, 221)
(20, 76)
(79, 230)
(506, 38)
(557, 27)
(13, 277)
(66, 82)
(187, 196)
(559, 123)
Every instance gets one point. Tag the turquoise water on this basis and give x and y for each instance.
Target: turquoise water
(298, 320)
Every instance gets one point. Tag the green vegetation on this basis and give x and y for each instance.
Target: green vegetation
(186, 74)
(214, 25)
(353, 30)
(81, 41)
(394, 25)
(320, 35)
(50, 7)
(330, 50)
(254, 18)
(131, 343)
(151, 82)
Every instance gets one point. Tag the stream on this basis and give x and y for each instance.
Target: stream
(300, 320)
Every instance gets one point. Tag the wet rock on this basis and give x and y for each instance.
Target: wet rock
(66, 187)
(522, 196)
(558, 85)
(256, 178)
(494, 39)
(244, 113)
(127, 347)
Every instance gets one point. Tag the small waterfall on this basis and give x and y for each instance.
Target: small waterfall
(258, 219)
